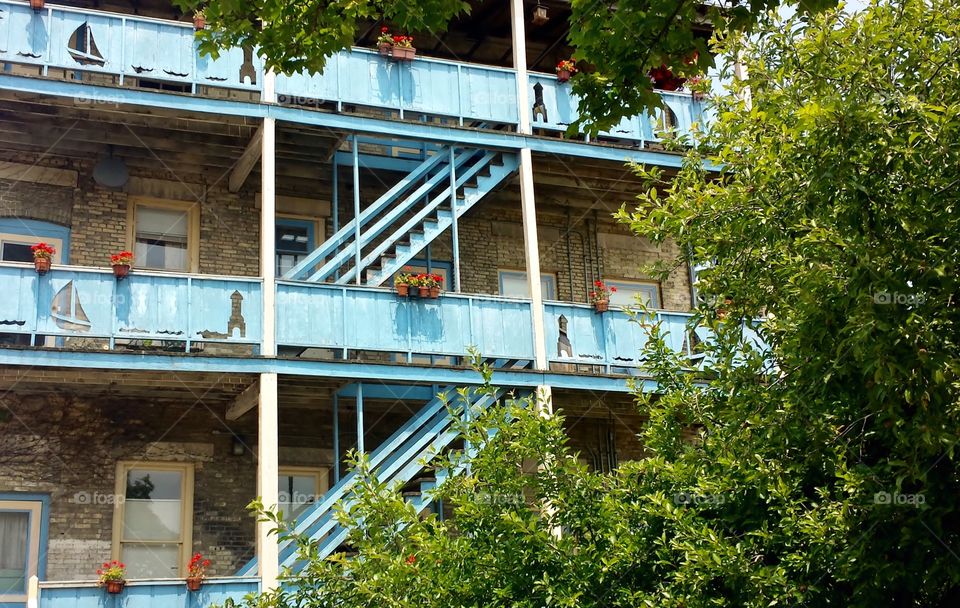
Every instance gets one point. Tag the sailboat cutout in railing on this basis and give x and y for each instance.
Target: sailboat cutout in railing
(83, 48)
(67, 311)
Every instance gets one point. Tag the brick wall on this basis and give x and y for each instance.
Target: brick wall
(491, 236)
(97, 216)
(74, 445)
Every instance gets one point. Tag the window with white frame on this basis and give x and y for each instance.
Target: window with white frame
(153, 518)
(300, 487)
(165, 235)
(627, 293)
(19, 548)
(513, 284)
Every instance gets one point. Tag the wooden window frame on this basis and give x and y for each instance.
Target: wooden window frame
(193, 227)
(34, 510)
(618, 283)
(550, 275)
(186, 514)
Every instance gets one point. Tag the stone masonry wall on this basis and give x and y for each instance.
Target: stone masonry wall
(97, 216)
(73, 448)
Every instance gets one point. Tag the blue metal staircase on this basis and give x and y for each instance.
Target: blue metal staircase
(398, 461)
(405, 219)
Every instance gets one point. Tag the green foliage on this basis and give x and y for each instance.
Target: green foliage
(821, 472)
(837, 216)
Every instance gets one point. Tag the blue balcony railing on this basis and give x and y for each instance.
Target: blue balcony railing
(576, 334)
(170, 593)
(375, 319)
(147, 309)
(467, 92)
(82, 40)
(560, 108)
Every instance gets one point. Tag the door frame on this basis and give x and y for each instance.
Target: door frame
(44, 529)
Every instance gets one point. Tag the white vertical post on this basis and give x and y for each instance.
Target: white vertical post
(268, 549)
(527, 198)
(33, 592)
(268, 465)
(520, 64)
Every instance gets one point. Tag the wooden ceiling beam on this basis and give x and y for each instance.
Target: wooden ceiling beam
(246, 401)
(246, 162)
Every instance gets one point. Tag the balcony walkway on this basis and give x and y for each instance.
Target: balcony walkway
(67, 42)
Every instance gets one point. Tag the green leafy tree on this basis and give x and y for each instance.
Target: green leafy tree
(816, 469)
(618, 41)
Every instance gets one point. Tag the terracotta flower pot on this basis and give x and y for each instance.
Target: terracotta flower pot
(115, 586)
(404, 53)
(386, 50)
(36, 5)
(434, 292)
(403, 290)
(563, 76)
(194, 582)
(601, 306)
(424, 292)
(199, 22)
(121, 271)
(42, 265)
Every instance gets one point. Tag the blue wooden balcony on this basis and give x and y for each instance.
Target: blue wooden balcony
(576, 334)
(169, 593)
(312, 315)
(128, 47)
(84, 308)
(88, 307)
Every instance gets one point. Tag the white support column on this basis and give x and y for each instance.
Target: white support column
(268, 470)
(268, 549)
(527, 197)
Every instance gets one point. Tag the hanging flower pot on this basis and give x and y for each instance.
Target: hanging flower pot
(565, 70)
(424, 292)
(435, 292)
(600, 296)
(121, 263)
(403, 290)
(111, 576)
(196, 570)
(42, 255)
(36, 5)
(385, 49)
(199, 20)
(404, 53)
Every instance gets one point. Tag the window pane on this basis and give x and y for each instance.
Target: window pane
(14, 527)
(152, 507)
(161, 239)
(514, 285)
(297, 492)
(16, 252)
(151, 561)
(626, 294)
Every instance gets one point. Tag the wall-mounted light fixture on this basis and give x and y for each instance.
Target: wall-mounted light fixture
(540, 15)
(239, 447)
